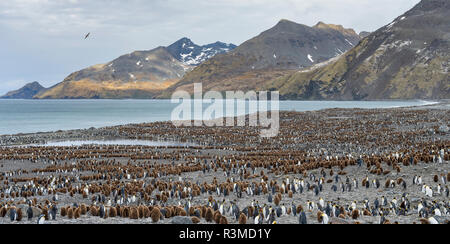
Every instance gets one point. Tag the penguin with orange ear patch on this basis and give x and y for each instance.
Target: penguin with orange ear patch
(319, 216)
(322, 218)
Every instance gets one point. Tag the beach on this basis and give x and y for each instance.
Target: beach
(196, 168)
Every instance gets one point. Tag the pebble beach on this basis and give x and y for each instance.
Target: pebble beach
(333, 166)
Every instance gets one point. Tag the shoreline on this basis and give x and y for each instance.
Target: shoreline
(438, 104)
(316, 149)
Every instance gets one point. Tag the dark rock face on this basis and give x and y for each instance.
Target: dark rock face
(289, 45)
(364, 34)
(26, 92)
(286, 46)
(406, 59)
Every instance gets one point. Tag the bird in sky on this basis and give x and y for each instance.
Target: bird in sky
(87, 35)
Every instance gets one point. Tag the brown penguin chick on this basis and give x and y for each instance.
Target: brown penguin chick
(195, 220)
(203, 211)
(134, 214)
(141, 211)
(45, 213)
(424, 221)
(280, 197)
(217, 216)
(70, 213)
(168, 212)
(19, 214)
(77, 213)
(209, 216)
(223, 220)
(251, 211)
(182, 212)
(355, 214)
(242, 219)
(112, 212)
(125, 212)
(63, 211)
(367, 213)
(147, 212)
(3, 212)
(276, 200)
(155, 215)
(319, 216)
(299, 208)
(93, 211)
(387, 183)
(83, 209)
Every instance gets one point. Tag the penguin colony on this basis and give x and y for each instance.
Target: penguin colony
(334, 166)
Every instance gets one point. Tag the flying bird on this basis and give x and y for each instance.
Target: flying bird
(87, 35)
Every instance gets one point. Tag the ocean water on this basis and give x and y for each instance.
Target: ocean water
(30, 116)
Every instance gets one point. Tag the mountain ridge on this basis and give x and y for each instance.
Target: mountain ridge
(26, 92)
(285, 47)
(140, 74)
(405, 59)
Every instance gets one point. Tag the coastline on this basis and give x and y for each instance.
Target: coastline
(311, 146)
(91, 133)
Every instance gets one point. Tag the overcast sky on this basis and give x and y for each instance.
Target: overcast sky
(42, 40)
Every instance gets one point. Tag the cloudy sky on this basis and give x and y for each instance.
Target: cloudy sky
(42, 40)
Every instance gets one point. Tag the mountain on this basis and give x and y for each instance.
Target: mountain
(189, 53)
(140, 74)
(26, 92)
(285, 47)
(406, 59)
(364, 34)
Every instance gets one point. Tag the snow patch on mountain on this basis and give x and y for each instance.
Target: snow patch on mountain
(191, 54)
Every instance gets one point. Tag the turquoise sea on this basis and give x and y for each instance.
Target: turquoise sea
(29, 116)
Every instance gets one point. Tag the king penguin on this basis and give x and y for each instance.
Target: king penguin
(30, 213)
(302, 218)
(41, 219)
(12, 214)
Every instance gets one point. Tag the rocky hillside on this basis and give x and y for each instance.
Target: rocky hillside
(26, 92)
(364, 34)
(187, 52)
(285, 47)
(407, 59)
(140, 74)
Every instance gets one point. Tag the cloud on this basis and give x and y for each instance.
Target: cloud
(45, 37)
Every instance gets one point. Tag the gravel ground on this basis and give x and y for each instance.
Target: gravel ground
(413, 130)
